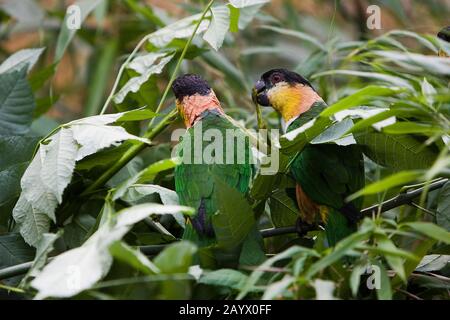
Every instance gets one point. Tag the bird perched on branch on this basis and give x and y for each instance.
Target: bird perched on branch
(325, 174)
(196, 177)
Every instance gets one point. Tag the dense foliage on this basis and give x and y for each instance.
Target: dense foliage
(88, 200)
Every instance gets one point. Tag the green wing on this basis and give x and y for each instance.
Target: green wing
(194, 183)
(328, 173)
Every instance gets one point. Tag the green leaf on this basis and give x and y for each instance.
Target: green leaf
(391, 181)
(258, 273)
(66, 34)
(225, 278)
(122, 252)
(433, 262)
(411, 128)
(176, 258)
(385, 291)
(360, 97)
(283, 209)
(395, 262)
(443, 207)
(234, 218)
(234, 18)
(400, 152)
(16, 103)
(218, 28)
(342, 248)
(430, 230)
(20, 59)
(252, 252)
(13, 250)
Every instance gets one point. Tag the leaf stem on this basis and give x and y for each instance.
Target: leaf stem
(180, 60)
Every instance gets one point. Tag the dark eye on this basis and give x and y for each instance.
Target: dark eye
(276, 78)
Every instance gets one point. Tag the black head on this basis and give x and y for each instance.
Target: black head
(444, 34)
(272, 78)
(188, 85)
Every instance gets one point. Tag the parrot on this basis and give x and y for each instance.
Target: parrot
(196, 183)
(324, 174)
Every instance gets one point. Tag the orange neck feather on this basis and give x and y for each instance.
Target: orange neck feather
(191, 107)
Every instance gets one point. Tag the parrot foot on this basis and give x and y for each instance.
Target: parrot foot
(303, 227)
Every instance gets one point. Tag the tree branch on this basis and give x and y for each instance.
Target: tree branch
(399, 200)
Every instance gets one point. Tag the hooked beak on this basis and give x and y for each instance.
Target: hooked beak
(259, 94)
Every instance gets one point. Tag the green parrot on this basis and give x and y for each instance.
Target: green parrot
(325, 174)
(196, 178)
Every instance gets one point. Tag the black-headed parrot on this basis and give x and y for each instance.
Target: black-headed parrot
(196, 177)
(325, 174)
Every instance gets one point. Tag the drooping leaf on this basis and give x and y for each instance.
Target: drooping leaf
(218, 28)
(135, 83)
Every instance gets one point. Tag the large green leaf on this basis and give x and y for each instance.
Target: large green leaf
(400, 152)
(13, 250)
(234, 218)
(218, 28)
(16, 103)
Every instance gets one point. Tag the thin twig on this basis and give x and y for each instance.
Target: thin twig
(401, 199)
